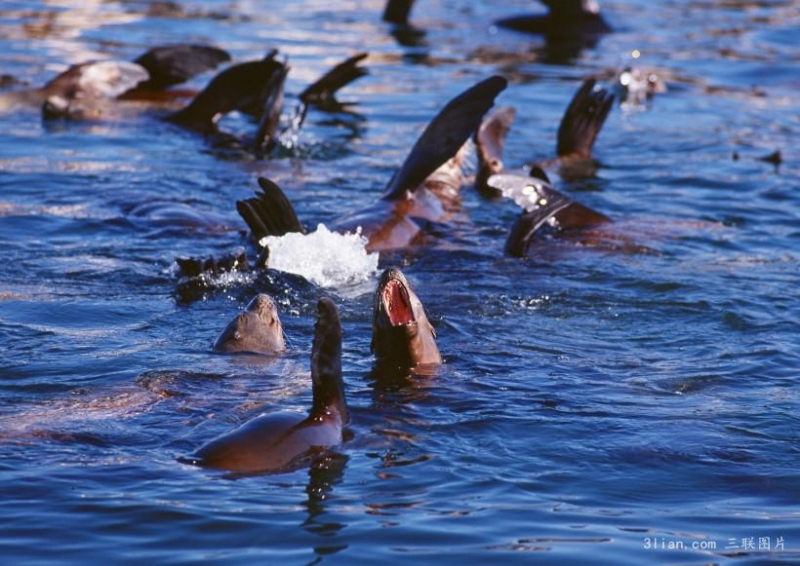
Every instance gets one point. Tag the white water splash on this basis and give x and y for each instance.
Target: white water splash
(326, 258)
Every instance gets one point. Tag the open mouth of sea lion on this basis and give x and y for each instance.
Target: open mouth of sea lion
(397, 303)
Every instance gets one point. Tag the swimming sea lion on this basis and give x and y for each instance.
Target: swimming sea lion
(283, 441)
(402, 336)
(424, 188)
(566, 19)
(257, 330)
(251, 87)
(577, 132)
(96, 82)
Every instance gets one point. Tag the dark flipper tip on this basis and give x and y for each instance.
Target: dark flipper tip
(269, 213)
(583, 119)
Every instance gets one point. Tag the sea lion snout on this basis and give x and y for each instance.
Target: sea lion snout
(265, 307)
(401, 332)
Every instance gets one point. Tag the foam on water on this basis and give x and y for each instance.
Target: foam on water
(326, 258)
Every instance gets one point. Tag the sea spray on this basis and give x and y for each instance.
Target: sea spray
(326, 258)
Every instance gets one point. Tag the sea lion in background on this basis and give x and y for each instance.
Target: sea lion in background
(244, 86)
(257, 330)
(407, 35)
(251, 87)
(577, 132)
(424, 188)
(397, 11)
(402, 336)
(155, 70)
(283, 441)
(565, 20)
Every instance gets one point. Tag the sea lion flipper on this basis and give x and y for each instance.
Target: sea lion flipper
(326, 363)
(577, 215)
(271, 108)
(538, 173)
(536, 193)
(324, 88)
(583, 119)
(269, 213)
(174, 64)
(321, 93)
(542, 204)
(445, 135)
(489, 141)
(531, 193)
(192, 266)
(573, 215)
(245, 87)
(524, 228)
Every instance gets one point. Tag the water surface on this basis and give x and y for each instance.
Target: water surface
(595, 406)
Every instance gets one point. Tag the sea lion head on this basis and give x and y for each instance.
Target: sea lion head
(256, 330)
(401, 332)
(84, 92)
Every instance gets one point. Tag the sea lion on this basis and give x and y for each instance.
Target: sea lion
(577, 132)
(566, 19)
(402, 336)
(543, 206)
(251, 87)
(284, 441)
(425, 187)
(94, 83)
(256, 88)
(257, 330)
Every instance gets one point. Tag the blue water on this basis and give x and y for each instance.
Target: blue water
(595, 407)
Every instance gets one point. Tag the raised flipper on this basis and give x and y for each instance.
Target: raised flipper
(445, 135)
(542, 205)
(174, 64)
(267, 132)
(489, 141)
(583, 120)
(326, 364)
(323, 89)
(269, 213)
(242, 87)
(396, 11)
